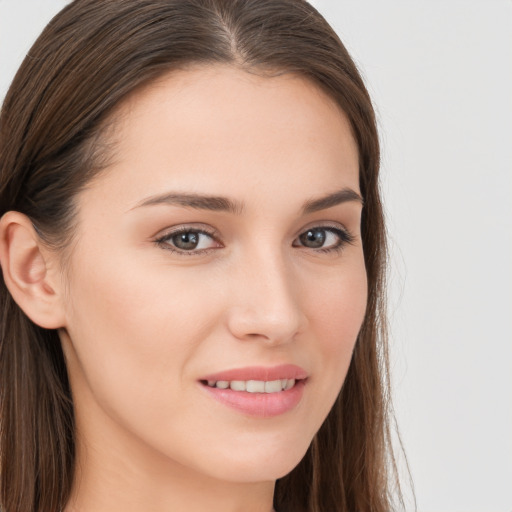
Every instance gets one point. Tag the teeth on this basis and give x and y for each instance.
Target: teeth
(237, 385)
(290, 384)
(273, 386)
(254, 386)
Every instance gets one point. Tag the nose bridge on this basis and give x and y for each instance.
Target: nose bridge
(266, 302)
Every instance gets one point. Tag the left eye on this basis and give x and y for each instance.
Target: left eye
(324, 238)
(189, 240)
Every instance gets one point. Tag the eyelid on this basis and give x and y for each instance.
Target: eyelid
(344, 234)
(328, 225)
(163, 238)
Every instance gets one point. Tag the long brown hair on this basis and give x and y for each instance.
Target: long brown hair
(87, 60)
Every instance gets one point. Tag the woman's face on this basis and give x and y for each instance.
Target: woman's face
(221, 246)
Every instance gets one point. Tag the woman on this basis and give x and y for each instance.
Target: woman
(192, 247)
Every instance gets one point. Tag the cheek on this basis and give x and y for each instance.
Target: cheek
(134, 329)
(338, 309)
(336, 315)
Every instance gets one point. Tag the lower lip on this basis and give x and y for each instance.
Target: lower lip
(262, 405)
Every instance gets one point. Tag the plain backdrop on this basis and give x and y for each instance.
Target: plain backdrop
(440, 74)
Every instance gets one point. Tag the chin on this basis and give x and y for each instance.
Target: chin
(267, 465)
(254, 472)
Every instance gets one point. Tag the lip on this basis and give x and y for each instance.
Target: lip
(259, 405)
(283, 371)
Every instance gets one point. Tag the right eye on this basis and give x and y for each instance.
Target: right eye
(188, 241)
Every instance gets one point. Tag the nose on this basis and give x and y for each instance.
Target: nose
(265, 301)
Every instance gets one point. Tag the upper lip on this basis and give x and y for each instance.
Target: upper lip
(265, 373)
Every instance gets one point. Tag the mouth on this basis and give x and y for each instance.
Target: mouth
(253, 386)
(258, 391)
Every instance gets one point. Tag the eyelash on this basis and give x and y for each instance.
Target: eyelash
(345, 238)
(164, 241)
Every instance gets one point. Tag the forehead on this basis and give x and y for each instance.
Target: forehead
(219, 129)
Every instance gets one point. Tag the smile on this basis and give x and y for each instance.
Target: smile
(253, 386)
(258, 391)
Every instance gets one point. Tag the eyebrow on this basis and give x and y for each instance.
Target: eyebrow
(322, 203)
(225, 204)
(195, 201)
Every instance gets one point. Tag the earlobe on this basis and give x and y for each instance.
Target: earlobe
(30, 279)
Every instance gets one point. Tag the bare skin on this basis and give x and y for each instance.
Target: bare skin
(143, 319)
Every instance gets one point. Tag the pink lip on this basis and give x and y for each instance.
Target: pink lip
(284, 371)
(263, 405)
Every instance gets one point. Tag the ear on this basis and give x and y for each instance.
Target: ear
(30, 271)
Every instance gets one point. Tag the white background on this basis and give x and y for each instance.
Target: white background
(440, 73)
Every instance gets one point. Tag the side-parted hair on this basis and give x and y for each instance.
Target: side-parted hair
(52, 143)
